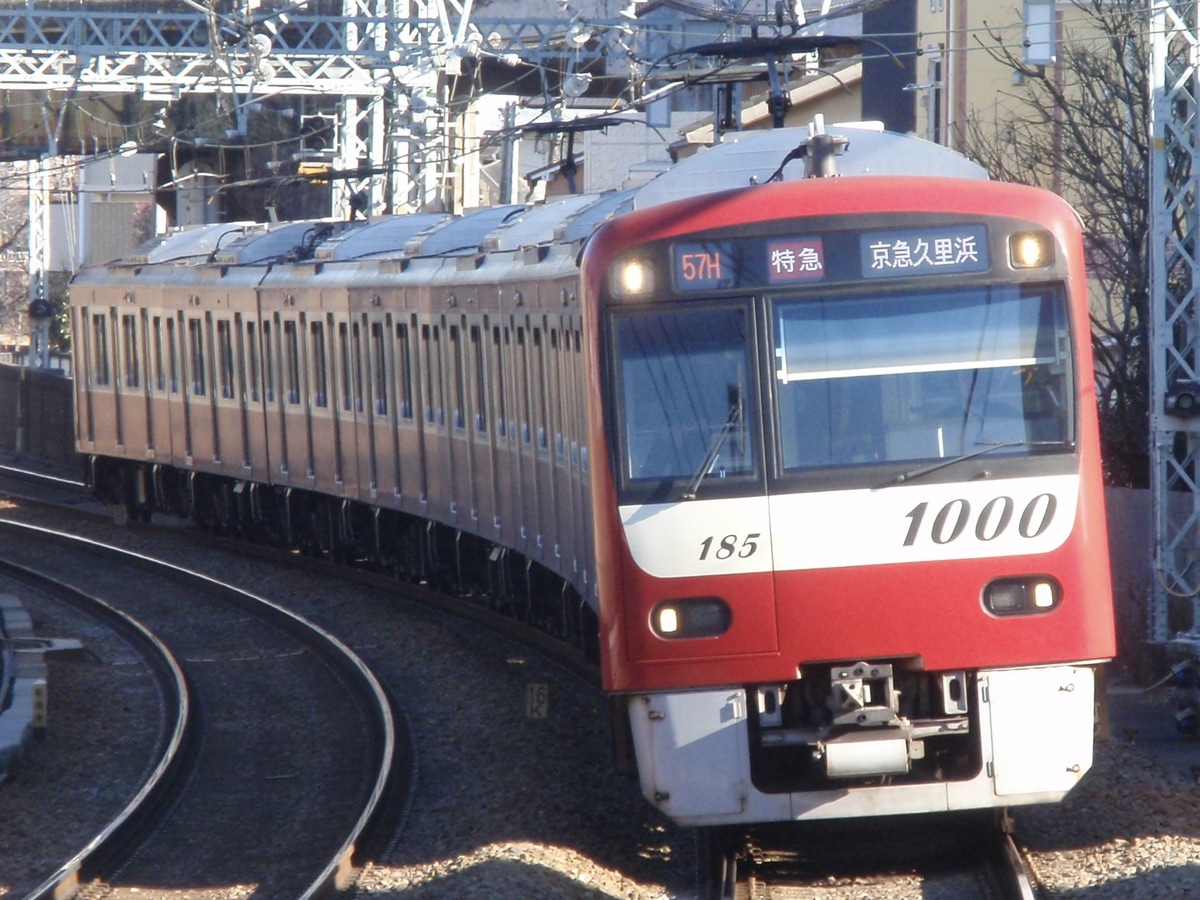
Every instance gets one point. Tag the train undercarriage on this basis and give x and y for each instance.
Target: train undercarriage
(408, 547)
(862, 721)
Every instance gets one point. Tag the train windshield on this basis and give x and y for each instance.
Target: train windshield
(684, 387)
(923, 376)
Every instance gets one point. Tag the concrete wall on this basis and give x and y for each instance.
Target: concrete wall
(37, 418)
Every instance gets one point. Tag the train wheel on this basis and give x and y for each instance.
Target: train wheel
(716, 864)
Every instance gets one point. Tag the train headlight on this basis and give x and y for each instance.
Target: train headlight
(1022, 596)
(1031, 250)
(691, 617)
(631, 278)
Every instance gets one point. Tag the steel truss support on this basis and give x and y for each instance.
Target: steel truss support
(1175, 319)
(384, 61)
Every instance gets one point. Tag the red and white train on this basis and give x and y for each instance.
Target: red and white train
(813, 463)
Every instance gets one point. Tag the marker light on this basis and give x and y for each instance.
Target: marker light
(631, 278)
(1031, 250)
(1021, 596)
(691, 617)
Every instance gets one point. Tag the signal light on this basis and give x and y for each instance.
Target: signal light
(1022, 596)
(1182, 399)
(1031, 250)
(691, 617)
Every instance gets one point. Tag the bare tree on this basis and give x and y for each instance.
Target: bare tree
(14, 264)
(1081, 128)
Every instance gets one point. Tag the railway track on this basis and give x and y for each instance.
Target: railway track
(281, 752)
(964, 857)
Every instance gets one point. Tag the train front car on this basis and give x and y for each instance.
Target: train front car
(851, 548)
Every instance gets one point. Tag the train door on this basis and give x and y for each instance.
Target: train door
(158, 384)
(380, 412)
(273, 401)
(83, 402)
(503, 457)
(231, 448)
(525, 454)
(579, 453)
(255, 449)
(480, 426)
(438, 471)
(567, 538)
(326, 470)
(100, 419)
(352, 352)
(409, 464)
(541, 390)
(346, 387)
(297, 462)
(173, 332)
(131, 395)
(200, 413)
(458, 431)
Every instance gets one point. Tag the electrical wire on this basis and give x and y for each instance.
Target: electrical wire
(445, 160)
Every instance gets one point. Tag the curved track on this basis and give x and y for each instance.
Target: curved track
(168, 750)
(290, 744)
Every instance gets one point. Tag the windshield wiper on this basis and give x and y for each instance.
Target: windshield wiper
(988, 448)
(714, 450)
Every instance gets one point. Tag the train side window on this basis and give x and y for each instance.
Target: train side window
(160, 378)
(500, 389)
(291, 349)
(576, 362)
(225, 357)
(456, 360)
(196, 347)
(439, 381)
(172, 357)
(357, 365)
(147, 348)
(479, 383)
(252, 360)
(428, 372)
(523, 384)
(404, 372)
(129, 350)
(560, 392)
(268, 363)
(538, 389)
(320, 366)
(100, 369)
(344, 365)
(379, 368)
(432, 346)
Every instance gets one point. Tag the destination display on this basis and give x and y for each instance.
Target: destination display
(743, 263)
(925, 251)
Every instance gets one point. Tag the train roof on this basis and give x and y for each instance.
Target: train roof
(195, 243)
(461, 236)
(387, 234)
(752, 157)
(745, 159)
